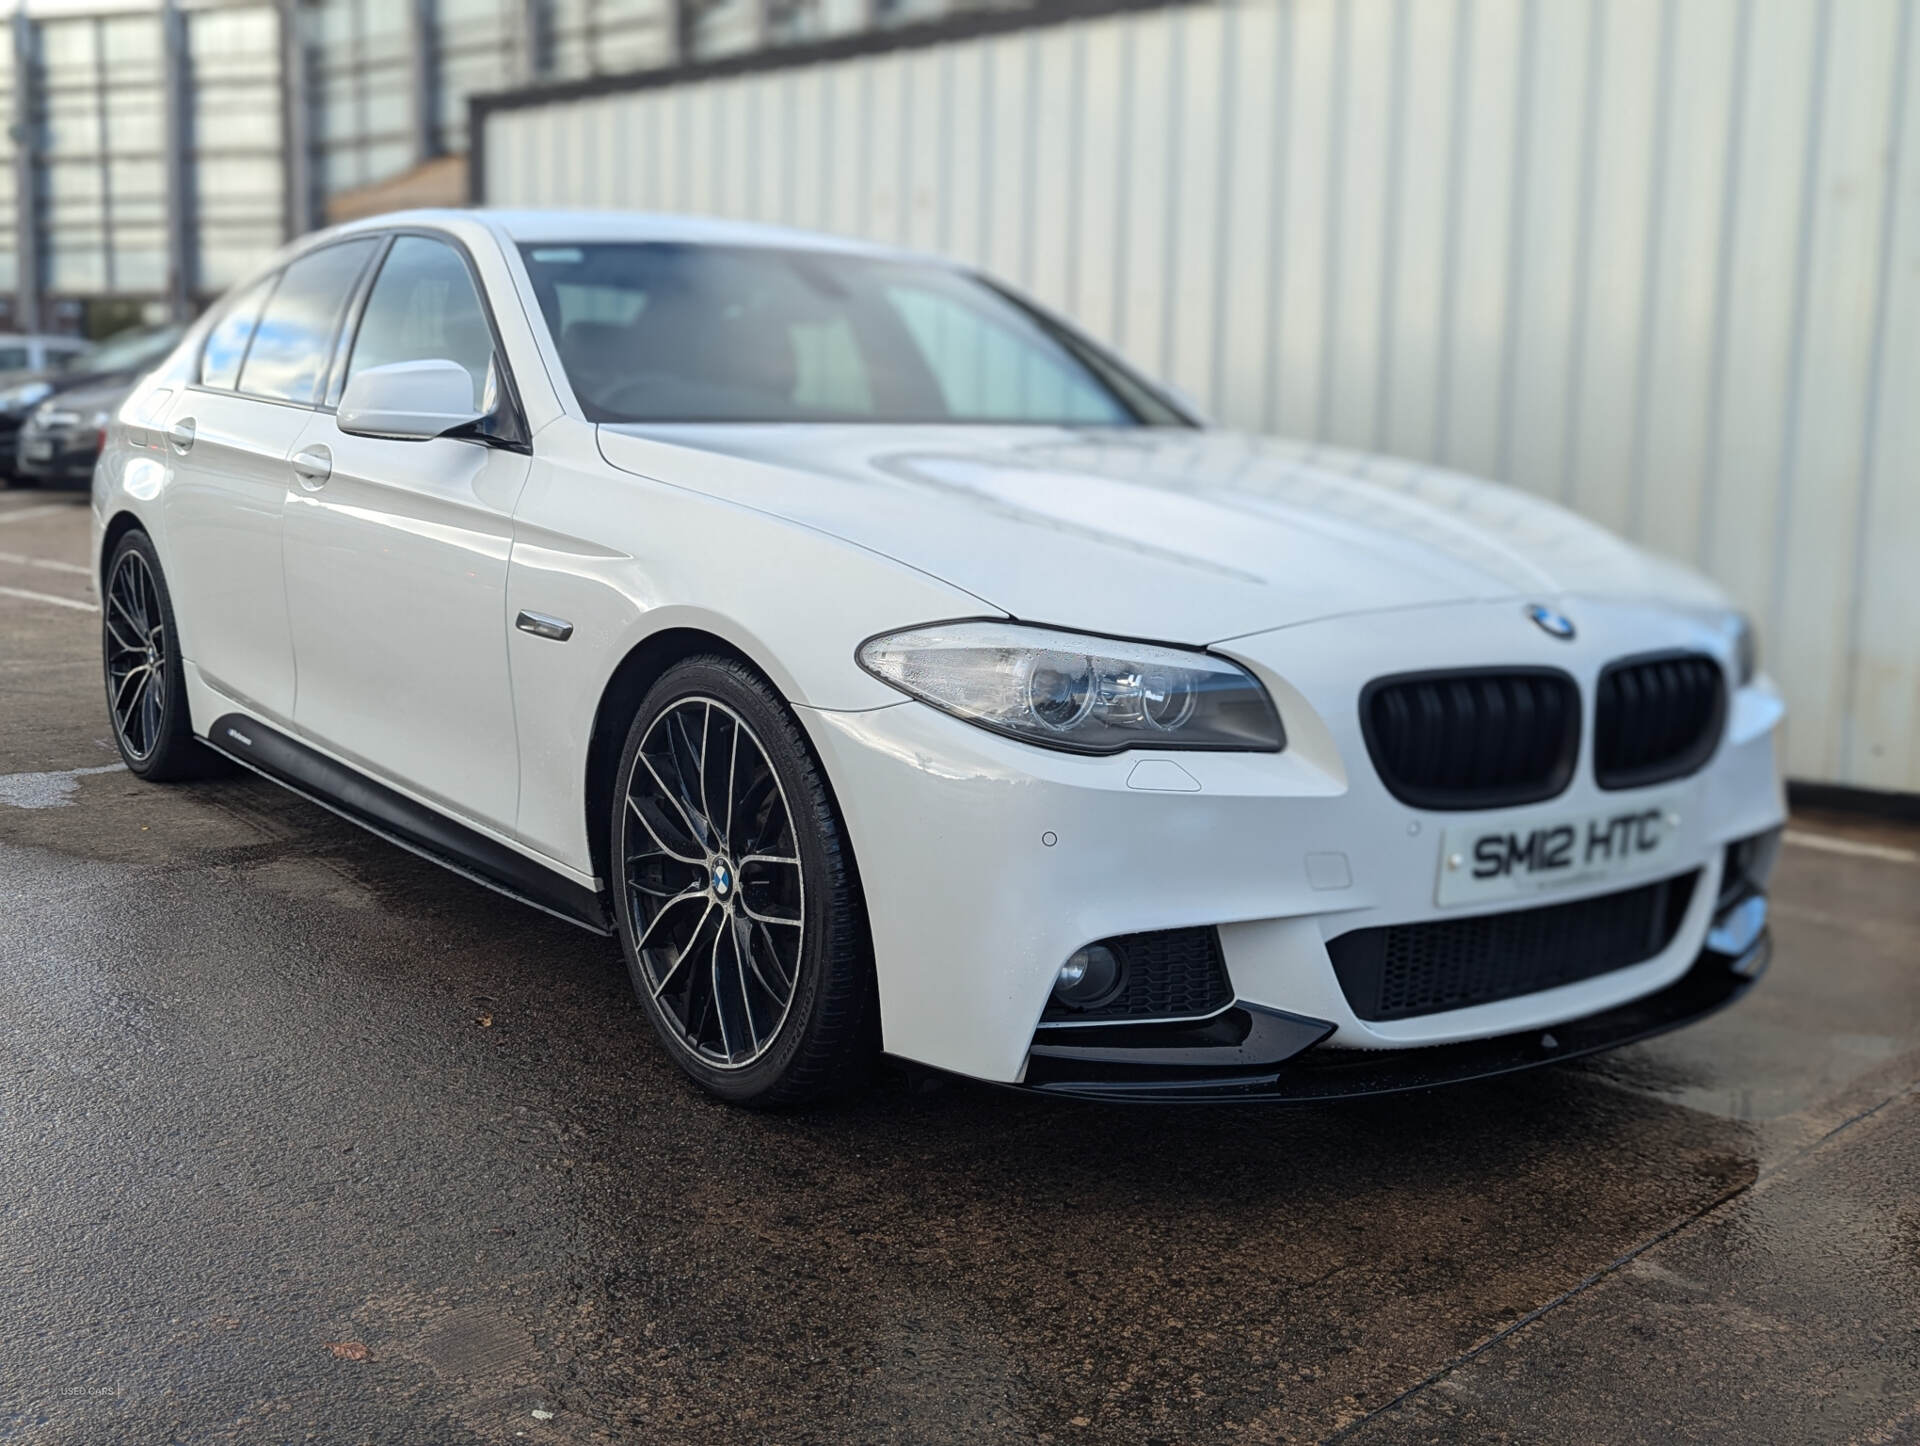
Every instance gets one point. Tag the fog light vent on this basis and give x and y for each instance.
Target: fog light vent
(1166, 974)
(1089, 977)
(1738, 928)
(1749, 866)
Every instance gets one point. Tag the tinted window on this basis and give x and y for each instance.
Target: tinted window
(986, 364)
(294, 340)
(423, 308)
(12, 358)
(662, 332)
(226, 344)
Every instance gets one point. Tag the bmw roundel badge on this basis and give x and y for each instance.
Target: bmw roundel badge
(1554, 624)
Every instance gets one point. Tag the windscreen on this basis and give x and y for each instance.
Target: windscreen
(668, 332)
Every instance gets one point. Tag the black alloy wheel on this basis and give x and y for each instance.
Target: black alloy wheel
(140, 650)
(738, 909)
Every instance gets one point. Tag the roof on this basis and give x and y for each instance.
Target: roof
(598, 225)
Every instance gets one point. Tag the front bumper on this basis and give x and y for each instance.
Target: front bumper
(986, 862)
(11, 424)
(63, 455)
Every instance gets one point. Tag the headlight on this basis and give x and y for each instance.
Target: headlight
(18, 399)
(1079, 693)
(1746, 648)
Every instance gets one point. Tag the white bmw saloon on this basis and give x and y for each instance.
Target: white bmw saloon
(893, 668)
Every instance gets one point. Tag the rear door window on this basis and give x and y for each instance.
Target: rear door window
(226, 344)
(294, 340)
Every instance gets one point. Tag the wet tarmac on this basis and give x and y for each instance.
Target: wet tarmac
(302, 1139)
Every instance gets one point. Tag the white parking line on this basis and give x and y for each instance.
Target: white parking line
(20, 559)
(47, 597)
(1848, 846)
(21, 514)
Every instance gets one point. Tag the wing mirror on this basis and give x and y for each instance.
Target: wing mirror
(411, 401)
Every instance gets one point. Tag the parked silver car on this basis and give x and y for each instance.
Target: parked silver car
(35, 353)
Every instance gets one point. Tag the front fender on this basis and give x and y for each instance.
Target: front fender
(623, 559)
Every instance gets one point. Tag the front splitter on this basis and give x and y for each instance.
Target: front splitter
(1280, 1058)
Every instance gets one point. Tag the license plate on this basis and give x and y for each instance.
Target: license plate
(39, 451)
(1479, 864)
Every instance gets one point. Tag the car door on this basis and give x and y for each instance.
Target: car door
(228, 436)
(396, 558)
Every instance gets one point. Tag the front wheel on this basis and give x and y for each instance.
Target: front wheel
(738, 908)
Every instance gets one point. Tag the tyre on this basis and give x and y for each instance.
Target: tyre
(738, 906)
(140, 650)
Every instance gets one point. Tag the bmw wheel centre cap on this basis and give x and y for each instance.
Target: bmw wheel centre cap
(722, 878)
(1553, 624)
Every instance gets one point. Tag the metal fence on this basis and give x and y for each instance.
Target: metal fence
(1659, 259)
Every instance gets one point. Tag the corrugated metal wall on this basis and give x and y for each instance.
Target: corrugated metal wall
(1658, 258)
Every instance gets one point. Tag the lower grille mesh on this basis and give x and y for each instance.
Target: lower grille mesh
(1402, 971)
(1166, 974)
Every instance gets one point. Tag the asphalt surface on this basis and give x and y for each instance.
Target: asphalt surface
(302, 1139)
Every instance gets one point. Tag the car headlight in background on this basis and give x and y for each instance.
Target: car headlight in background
(18, 399)
(1075, 692)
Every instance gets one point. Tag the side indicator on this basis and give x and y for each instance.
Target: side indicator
(541, 626)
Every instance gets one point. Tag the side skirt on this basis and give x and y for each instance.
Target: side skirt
(399, 820)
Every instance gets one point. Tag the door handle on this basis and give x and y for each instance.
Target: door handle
(313, 466)
(180, 435)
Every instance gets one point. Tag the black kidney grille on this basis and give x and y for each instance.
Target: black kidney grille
(1166, 974)
(1403, 970)
(1656, 718)
(1473, 739)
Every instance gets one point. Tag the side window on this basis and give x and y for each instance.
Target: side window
(294, 341)
(423, 308)
(226, 344)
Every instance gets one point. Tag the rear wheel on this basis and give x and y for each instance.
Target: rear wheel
(146, 694)
(738, 907)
